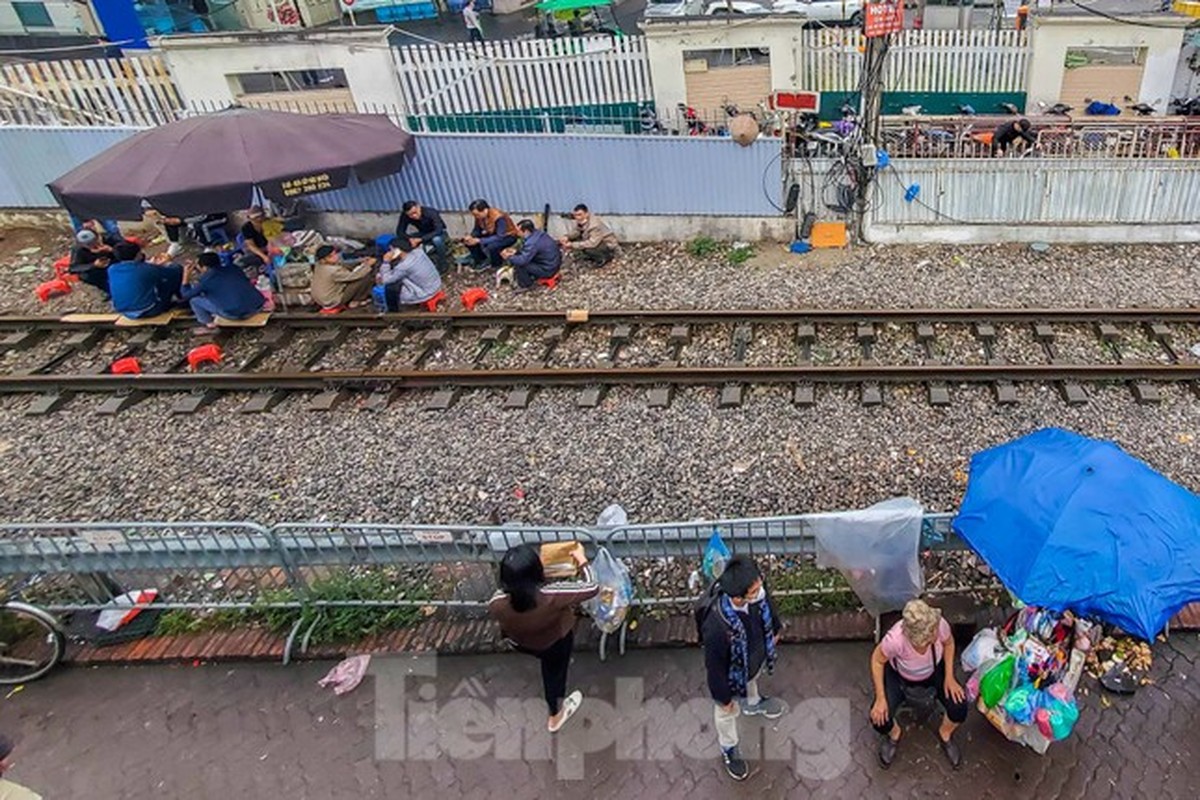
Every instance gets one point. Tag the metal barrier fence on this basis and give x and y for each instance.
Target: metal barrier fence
(1057, 137)
(293, 576)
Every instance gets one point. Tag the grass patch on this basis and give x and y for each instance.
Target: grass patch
(826, 590)
(703, 246)
(740, 255)
(336, 624)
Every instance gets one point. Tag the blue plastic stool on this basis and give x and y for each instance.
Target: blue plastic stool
(379, 295)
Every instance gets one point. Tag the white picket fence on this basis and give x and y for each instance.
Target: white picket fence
(136, 90)
(919, 61)
(523, 74)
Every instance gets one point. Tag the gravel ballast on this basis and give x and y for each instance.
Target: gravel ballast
(555, 463)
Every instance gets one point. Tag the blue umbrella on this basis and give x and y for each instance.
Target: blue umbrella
(1074, 523)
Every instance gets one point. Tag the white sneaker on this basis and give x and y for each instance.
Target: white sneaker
(175, 249)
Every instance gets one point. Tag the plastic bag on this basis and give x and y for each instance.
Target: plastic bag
(347, 674)
(982, 648)
(1021, 704)
(876, 550)
(612, 517)
(716, 556)
(995, 682)
(610, 606)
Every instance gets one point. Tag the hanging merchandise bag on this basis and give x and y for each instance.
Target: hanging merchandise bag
(716, 556)
(610, 606)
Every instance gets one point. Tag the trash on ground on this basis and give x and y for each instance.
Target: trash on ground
(347, 674)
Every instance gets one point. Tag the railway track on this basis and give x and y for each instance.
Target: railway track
(330, 358)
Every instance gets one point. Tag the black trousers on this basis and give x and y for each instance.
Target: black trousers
(597, 256)
(555, 660)
(95, 276)
(893, 689)
(527, 273)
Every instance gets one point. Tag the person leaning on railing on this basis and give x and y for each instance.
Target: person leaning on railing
(539, 619)
(1009, 132)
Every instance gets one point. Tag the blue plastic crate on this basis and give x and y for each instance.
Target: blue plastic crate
(386, 14)
(423, 11)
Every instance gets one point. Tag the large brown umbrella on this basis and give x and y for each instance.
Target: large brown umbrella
(216, 162)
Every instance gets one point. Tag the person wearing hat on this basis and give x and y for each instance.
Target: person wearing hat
(408, 275)
(8, 789)
(254, 241)
(222, 291)
(918, 651)
(90, 260)
(337, 283)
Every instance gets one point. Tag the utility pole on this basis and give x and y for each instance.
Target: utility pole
(871, 120)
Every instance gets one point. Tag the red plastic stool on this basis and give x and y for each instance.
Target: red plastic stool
(334, 310)
(126, 366)
(473, 297)
(52, 288)
(551, 282)
(204, 354)
(62, 269)
(432, 303)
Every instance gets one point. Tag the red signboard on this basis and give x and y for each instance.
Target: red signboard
(796, 101)
(883, 18)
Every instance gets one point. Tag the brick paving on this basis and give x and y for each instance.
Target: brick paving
(258, 730)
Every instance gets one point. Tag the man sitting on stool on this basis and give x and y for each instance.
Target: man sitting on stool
(494, 231)
(337, 283)
(222, 291)
(592, 239)
(539, 256)
(408, 275)
(423, 227)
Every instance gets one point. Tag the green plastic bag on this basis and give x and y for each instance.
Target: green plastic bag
(994, 685)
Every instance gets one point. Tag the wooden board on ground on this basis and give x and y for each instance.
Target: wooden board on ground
(142, 322)
(256, 321)
(89, 319)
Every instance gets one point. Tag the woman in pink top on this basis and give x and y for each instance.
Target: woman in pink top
(915, 653)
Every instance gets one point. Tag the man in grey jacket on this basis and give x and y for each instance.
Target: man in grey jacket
(408, 275)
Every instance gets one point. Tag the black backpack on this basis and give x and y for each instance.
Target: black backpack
(704, 606)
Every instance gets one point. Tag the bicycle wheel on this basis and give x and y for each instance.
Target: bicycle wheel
(31, 643)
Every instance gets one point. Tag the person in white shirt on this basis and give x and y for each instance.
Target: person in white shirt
(471, 20)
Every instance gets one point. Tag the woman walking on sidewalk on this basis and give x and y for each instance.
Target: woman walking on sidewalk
(539, 619)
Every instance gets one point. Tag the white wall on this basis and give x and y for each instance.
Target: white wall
(202, 63)
(668, 40)
(63, 14)
(1053, 36)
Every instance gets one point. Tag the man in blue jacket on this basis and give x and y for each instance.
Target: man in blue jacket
(222, 291)
(539, 256)
(407, 275)
(140, 288)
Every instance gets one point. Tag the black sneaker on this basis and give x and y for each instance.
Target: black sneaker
(887, 751)
(735, 765)
(953, 754)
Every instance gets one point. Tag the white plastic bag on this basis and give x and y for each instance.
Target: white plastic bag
(610, 606)
(876, 550)
(612, 517)
(984, 647)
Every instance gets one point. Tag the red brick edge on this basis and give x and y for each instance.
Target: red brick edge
(457, 636)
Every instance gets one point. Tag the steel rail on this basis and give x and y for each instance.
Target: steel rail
(669, 316)
(427, 379)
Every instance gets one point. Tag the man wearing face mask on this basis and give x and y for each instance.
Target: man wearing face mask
(739, 633)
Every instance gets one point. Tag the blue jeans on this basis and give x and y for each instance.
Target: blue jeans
(207, 311)
(490, 254)
(111, 227)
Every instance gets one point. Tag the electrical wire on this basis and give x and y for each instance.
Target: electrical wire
(97, 45)
(778, 157)
(925, 205)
